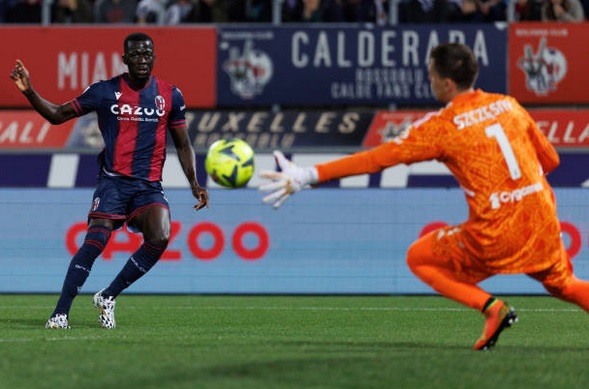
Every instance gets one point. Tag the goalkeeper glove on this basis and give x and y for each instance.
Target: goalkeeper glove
(290, 180)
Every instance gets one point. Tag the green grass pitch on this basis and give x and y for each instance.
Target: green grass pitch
(290, 342)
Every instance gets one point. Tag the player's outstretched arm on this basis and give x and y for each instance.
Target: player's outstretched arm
(188, 162)
(55, 114)
(289, 180)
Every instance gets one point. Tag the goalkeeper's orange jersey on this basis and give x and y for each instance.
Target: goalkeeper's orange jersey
(499, 157)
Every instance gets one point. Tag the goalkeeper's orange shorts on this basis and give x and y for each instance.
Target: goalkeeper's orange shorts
(445, 248)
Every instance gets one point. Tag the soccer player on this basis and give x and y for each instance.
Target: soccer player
(135, 110)
(498, 155)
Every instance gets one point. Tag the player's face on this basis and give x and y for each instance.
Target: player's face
(139, 57)
(438, 84)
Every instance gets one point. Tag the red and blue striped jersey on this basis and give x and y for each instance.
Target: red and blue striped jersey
(133, 123)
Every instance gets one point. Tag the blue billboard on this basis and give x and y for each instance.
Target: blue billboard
(367, 65)
(315, 244)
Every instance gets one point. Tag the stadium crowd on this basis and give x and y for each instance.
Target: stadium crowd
(172, 12)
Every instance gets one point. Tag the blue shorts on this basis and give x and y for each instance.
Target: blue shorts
(121, 198)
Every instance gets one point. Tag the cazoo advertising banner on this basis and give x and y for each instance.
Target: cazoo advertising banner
(546, 63)
(346, 65)
(316, 243)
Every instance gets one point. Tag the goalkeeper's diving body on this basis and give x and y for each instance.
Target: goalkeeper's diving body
(500, 158)
(135, 111)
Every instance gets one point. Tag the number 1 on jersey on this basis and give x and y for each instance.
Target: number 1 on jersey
(496, 131)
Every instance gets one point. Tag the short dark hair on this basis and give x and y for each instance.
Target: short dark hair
(457, 62)
(135, 37)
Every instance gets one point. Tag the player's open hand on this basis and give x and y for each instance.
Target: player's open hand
(289, 180)
(20, 76)
(202, 196)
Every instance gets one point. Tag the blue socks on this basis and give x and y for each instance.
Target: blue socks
(138, 264)
(80, 266)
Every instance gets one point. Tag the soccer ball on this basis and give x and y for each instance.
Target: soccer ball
(230, 162)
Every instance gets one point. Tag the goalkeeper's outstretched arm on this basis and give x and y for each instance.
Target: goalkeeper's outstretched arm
(293, 178)
(289, 180)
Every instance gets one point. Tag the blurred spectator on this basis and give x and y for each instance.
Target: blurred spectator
(528, 10)
(24, 11)
(181, 11)
(381, 12)
(464, 11)
(211, 11)
(303, 11)
(4, 6)
(250, 11)
(292, 11)
(312, 11)
(470, 12)
(115, 11)
(365, 11)
(493, 10)
(72, 11)
(329, 11)
(562, 11)
(426, 11)
(149, 11)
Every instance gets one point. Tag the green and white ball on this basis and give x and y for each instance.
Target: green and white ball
(230, 162)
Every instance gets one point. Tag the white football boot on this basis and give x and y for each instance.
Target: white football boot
(58, 321)
(106, 305)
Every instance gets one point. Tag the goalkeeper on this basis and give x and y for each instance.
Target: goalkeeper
(499, 157)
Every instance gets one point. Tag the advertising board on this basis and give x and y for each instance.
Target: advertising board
(315, 244)
(64, 60)
(545, 63)
(350, 65)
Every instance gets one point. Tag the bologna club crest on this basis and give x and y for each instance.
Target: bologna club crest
(544, 69)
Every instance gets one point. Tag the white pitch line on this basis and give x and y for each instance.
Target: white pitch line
(277, 308)
(274, 308)
(392, 309)
(15, 340)
(67, 338)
